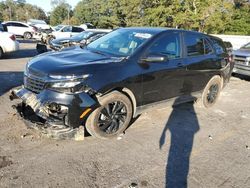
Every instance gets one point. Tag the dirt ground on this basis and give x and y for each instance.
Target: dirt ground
(167, 147)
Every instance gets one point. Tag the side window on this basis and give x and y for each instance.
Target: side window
(207, 47)
(67, 29)
(168, 45)
(77, 29)
(194, 45)
(197, 45)
(9, 24)
(22, 25)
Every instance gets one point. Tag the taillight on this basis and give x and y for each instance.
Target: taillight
(13, 37)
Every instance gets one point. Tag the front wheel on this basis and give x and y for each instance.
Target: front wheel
(211, 92)
(27, 35)
(112, 117)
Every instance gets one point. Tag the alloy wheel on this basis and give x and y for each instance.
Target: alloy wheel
(212, 93)
(112, 117)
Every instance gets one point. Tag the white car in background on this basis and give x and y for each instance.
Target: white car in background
(8, 43)
(62, 31)
(20, 29)
(40, 24)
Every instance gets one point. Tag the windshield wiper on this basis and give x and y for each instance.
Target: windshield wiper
(98, 52)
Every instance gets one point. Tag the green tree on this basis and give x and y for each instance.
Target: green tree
(20, 11)
(240, 22)
(59, 14)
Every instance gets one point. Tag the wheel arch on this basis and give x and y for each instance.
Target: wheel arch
(128, 93)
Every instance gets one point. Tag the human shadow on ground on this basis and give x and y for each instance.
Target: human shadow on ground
(182, 124)
(9, 80)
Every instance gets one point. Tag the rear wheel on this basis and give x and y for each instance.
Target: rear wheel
(1, 52)
(112, 117)
(211, 92)
(27, 35)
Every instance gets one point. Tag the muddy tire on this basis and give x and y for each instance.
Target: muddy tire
(1, 52)
(27, 35)
(211, 92)
(112, 117)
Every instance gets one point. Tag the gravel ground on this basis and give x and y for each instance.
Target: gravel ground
(175, 147)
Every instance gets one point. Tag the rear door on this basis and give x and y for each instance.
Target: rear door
(201, 62)
(163, 80)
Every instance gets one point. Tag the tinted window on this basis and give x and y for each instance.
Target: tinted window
(67, 29)
(77, 29)
(194, 45)
(207, 47)
(168, 45)
(197, 45)
(18, 25)
(9, 24)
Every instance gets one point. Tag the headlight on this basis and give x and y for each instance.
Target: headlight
(68, 84)
(248, 59)
(65, 84)
(68, 77)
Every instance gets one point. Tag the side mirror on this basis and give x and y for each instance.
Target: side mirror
(83, 43)
(154, 59)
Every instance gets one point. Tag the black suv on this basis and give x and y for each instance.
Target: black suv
(108, 82)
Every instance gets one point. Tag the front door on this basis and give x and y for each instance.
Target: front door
(164, 80)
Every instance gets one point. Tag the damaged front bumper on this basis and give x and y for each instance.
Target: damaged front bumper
(57, 109)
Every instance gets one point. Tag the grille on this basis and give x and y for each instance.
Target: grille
(33, 84)
(240, 60)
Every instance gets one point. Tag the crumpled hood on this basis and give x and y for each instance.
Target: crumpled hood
(242, 52)
(60, 41)
(71, 61)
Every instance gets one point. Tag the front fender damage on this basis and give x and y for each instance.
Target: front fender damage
(57, 115)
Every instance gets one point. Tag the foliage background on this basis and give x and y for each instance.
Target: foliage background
(209, 16)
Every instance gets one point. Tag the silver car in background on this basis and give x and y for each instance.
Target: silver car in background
(242, 60)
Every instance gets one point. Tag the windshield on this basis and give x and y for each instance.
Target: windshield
(57, 28)
(82, 35)
(122, 42)
(247, 46)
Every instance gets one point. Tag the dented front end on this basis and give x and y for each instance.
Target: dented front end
(57, 108)
(68, 110)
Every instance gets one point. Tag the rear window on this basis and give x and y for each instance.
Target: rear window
(197, 45)
(77, 29)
